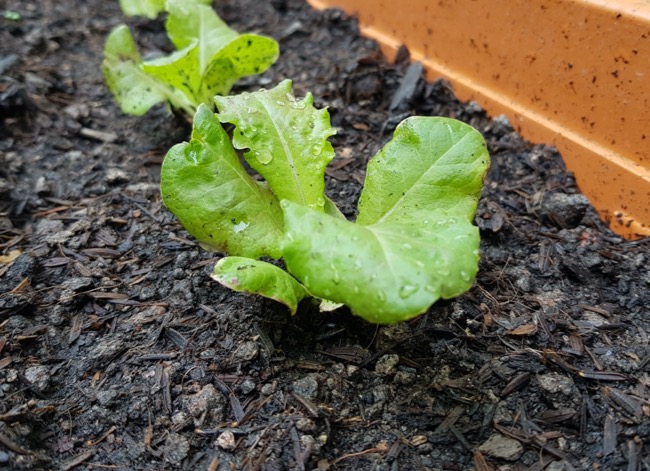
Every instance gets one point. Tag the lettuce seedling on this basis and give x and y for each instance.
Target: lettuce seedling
(413, 241)
(149, 8)
(210, 58)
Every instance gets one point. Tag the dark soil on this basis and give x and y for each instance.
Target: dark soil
(117, 351)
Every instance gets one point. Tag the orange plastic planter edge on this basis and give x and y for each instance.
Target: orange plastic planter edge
(572, 73)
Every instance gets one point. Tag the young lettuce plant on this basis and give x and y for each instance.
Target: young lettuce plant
(413, 241)
(210, 58)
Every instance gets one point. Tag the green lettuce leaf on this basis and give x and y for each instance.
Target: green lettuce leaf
(190, 22)
(179, 71)
(248, 54)
(211, 56)
(135, 90)
(386, 272)
(224, 208)
(413, 242)
(257, 277)
(149, 8)
(286, 138)
(432, 168)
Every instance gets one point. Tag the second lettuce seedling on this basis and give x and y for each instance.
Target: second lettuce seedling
(210, 58)
(413, 241)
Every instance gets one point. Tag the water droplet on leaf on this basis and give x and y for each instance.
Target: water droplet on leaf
(295, 103)
(317, 149)
(237, 228)
(432, 289)
(263, 158)
(407, 291)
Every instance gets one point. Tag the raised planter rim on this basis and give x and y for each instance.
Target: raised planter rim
(572, 73)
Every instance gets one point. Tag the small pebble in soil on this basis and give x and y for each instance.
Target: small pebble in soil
(382, 393)
(79, 283)
(308, 442)
(247, 386)
(207, 401)
(387, 364)
(306, 386)
(305, 425)
(226, 441)
(404, 377)
(175, 448)
(267, 389)
(561, 209)
(500, 446)
(351, 370)
(208, 353)
(556, 466)
(556, 383)
(107, 397)
(180, 418)
(247, 351)
(117, 175)
(39, 376)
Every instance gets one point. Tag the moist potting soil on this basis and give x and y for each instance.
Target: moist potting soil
(117, 350)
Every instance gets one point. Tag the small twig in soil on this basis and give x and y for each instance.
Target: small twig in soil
(7, 442)
(77, 460)
(516, 383)
(214, 464)
(451, 419)
(235, 405)
(480, 463)
(103, 437)
(535, 441)
(98, 135)
(381, 448)
(312, 410)
(628, 404)
(297, 451)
